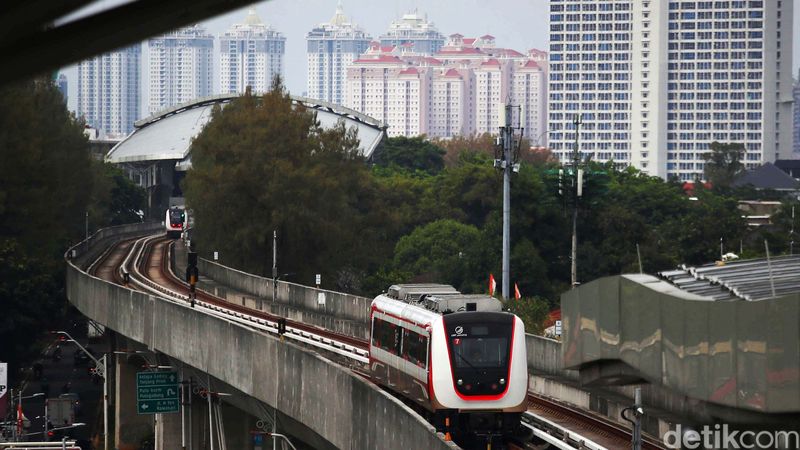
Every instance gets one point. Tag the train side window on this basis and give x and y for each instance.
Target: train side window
(376, 329)
(423, 352)
(382, 334)
(398, 341)
(415, 348)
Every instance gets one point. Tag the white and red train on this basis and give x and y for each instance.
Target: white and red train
(457, 356)
(175, 221)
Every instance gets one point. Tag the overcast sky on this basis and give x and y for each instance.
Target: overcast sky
(517, 24)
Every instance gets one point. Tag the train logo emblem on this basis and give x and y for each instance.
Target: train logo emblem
(459, 331)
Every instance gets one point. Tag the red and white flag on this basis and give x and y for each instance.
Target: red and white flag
(492, 285)
(517, 295)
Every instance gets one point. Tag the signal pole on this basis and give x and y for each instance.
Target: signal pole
(507, 164)
(578, 173)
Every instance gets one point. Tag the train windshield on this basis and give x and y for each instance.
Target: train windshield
(480, 352)
(176, 216)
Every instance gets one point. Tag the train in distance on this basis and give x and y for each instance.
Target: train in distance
(458, 357)
(175, 221)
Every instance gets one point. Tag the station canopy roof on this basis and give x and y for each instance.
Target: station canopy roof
(168, 135)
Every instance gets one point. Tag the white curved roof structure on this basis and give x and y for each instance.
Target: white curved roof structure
(168, 135)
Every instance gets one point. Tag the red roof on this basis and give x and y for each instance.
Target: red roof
(432, 61)
(409, 71)
(452, 73)
(532, 64)
(379, 59)
(507, 52)
(469, 41)
(460, 51)
(387, 49)
(491, 62)
(552, 317)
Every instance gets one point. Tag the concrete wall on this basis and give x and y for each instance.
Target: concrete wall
(342, 313)
(88, 250)
(742, 355)
(341, 407)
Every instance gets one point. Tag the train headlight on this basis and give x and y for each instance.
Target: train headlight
(460, 381)
(502, 381)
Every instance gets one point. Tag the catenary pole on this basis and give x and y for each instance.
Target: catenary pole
(508, 141)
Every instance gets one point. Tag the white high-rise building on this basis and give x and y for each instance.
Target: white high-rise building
(415, 30)
(656, 82)
(451, 112)
(332, 47)
(491, 92)
(528, 91)
(109, 87)
(251, 55)
(181, 67)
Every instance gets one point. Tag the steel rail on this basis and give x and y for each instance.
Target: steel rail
(259, 320)
(354, 349)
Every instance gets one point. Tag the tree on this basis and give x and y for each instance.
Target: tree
(723, 164)
(412, 154)
(45, 178)
(443, 251)
(46, 171)
(532, 310)
(482, 143)
(116, 200)
(262, 164)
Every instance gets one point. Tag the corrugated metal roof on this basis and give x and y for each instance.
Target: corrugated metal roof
(168, 134)
(754, 279)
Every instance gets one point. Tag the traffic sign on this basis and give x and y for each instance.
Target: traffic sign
(558, 328)
(157, 392)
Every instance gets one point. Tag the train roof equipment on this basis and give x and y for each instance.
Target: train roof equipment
(443, 298)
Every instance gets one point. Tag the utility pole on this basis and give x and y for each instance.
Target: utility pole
(507, 163)
(274, 264)
(578, 173)
(636, 420)
(791, 237)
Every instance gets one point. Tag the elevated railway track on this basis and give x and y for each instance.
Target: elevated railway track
(144, 264)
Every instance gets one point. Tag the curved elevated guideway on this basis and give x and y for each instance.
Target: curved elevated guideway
(336, 404)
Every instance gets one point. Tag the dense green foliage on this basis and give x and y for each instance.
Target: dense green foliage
(48, 182)
(723, 163)
(431, 212)
(412, 154)
(262, 165)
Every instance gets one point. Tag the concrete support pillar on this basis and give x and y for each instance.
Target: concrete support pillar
(168, 431)
(130, 428)
(237, 425)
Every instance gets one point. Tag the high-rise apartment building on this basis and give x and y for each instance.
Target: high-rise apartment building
(527, 87)
(451, 111)
(251, 55)
(461, 90)
(63, 86)
(181, 67)
(796, 116)
(331, 48)
(109, 87)
(416, 31)
(727, 79)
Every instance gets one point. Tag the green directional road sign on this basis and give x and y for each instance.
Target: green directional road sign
(157, 392)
